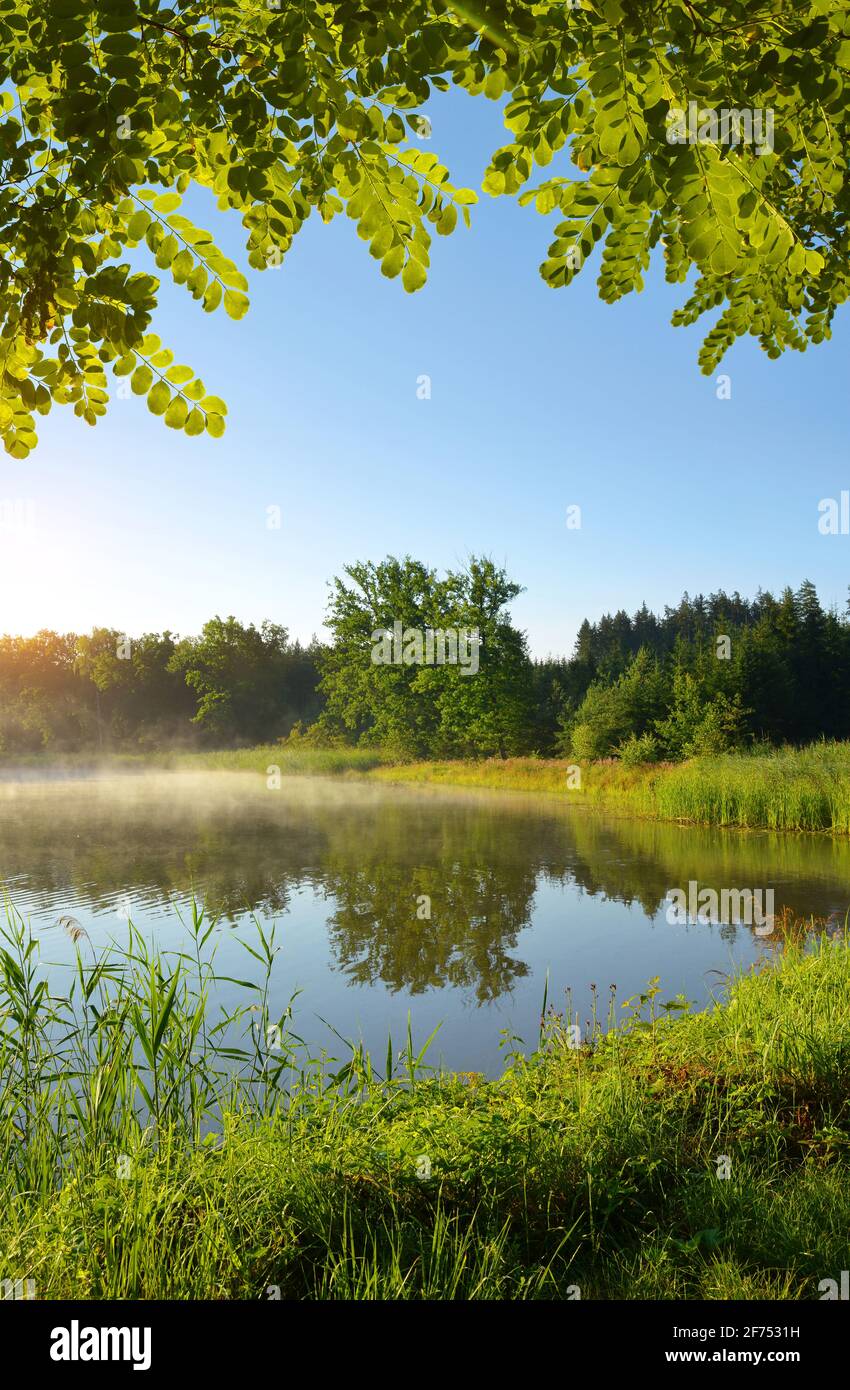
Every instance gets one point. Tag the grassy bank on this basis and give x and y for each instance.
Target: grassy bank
(783, 789)
(149, 1149)
(774, 789)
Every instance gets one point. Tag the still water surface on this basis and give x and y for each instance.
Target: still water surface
(518, 885)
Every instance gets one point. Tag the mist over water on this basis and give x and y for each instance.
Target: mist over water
(518, 885)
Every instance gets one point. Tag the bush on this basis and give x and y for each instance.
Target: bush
(610, 715)
(636, 750)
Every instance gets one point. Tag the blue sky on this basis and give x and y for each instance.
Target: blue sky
(541, 399)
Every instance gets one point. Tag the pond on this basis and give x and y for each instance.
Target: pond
(451, 905)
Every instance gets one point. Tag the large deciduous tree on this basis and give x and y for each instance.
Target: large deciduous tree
(404, 696)
(715, 131)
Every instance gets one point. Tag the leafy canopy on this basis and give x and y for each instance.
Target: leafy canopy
(417, 708)
(111, 109)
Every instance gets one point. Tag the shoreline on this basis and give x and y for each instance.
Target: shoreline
(675, 1155)
(800, 791)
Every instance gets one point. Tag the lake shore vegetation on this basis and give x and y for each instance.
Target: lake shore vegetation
(153, 1150)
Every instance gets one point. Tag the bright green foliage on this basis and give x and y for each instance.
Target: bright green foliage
(157, 1137)
(610, 714)
(71, 693)
(422, 707)
(696, 725)
(655, 708)
(725, 671)
(247, 680)
(111, 109)
(756, 203)
(638, 749)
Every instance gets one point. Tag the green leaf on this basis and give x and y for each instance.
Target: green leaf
(177, 413)
(197, 281)
(723, 259)
(393, 262)
(212, 296)
(235, 304)
(413, 276)
(215, 426)
(168, 249)
(178, 375)
(159, 398)
(140, 381)
(138, 224)
(447, 220)
(182, 266)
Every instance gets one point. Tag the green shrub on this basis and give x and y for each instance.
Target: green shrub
(638, 749)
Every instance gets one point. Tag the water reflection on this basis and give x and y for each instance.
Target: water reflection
(356, 864)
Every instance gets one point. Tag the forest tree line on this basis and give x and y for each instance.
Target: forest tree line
(709, 675)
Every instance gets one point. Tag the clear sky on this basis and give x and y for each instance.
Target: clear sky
(541, 399)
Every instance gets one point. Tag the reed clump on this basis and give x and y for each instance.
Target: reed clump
(806, 789)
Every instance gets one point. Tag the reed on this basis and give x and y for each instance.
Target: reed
(792, 789)
(153, 1146)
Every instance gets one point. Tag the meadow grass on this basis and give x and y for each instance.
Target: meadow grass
(151, 1148)
(804, 789)
(293, 758)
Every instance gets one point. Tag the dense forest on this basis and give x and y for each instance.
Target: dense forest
(710, 674)
(105, 691)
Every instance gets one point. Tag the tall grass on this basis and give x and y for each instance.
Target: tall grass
(152, 1147)
(775, 789)
(770, 789)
